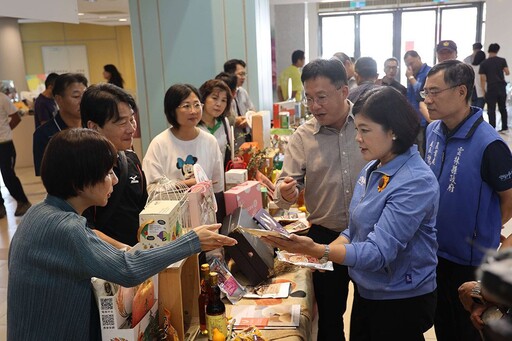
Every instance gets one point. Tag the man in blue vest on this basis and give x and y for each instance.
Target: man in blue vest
(474, 169)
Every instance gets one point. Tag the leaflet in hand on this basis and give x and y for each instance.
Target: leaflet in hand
(270, 227)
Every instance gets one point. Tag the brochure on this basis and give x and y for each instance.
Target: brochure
(274, 290)
(280, 316)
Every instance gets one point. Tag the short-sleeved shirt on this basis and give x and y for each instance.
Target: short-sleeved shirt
(123, 222)
(42, 136)
(44, 109)
(291, 72)
(6, 109)
(492, 68)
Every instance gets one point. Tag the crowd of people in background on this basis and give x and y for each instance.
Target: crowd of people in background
(405, 184)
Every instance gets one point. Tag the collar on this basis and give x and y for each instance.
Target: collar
(394, 165)
(350, 117)
(422, 69)
(59, 122)
(467, 127)
(215, 127)
(59, 203)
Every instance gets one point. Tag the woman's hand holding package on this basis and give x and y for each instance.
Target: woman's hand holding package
(210, 239)
(296, 244)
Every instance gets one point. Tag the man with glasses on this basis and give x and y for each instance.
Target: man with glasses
(416, 74)
(242, 102)
(324, 151)
(474, 168)
(391, 70)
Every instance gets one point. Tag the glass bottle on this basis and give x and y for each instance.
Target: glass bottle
(203, 297)
(215, 309)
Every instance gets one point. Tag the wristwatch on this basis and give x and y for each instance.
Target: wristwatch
(410, 77)
(325, 256)
(476, 295)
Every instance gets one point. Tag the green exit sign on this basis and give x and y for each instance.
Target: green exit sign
(357, 4)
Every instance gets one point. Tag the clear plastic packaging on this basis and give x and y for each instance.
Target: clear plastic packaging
(227, 282)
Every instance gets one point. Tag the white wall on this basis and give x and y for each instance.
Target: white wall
(498, 25)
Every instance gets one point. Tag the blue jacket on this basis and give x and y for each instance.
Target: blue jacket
(413, 91)
(469, 217)
(392, 253)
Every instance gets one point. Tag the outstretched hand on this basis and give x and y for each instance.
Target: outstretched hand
(210, 239)
(295, 244)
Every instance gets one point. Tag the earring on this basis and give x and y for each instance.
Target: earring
(394, 138)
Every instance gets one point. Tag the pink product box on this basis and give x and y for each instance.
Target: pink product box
(246, 195)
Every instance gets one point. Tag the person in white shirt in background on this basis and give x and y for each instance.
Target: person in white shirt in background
(9, 119)
(216, 99)
(175, 151)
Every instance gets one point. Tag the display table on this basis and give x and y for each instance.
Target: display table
(301, 292)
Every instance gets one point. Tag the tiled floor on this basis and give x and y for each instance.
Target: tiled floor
(35, 192)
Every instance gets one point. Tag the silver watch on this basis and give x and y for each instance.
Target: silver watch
(325, 256)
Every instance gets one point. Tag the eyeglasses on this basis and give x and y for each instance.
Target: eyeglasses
(433, 93)
(392, 67)
(188, 107)
(320, 100)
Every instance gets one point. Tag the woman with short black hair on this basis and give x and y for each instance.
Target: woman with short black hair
(53, 254)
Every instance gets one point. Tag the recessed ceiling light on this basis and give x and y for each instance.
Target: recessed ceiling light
(103, 17)
(123, 19)
(81, 13)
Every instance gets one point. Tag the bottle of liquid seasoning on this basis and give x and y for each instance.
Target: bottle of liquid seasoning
(203, 297)
(215, 309)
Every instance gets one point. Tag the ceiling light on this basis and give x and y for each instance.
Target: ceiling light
(123, 19)
(81, 13)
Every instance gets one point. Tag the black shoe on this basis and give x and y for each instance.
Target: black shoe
(22, 208)
(2, 211)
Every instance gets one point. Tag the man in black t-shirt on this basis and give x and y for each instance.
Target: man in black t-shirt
(492, 72)
(111, 111)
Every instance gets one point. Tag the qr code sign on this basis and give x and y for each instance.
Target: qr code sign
(106, 304)
(107, 321)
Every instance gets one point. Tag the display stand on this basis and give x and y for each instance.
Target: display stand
(178, 290)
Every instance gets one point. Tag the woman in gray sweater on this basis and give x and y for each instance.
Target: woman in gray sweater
(53, 255)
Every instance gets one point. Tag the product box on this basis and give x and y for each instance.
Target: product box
(246, 195)
(261, 128)
(120, 307)
(254, 258)
(236, 176)
(159, 223)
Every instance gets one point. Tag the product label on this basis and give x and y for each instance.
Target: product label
(216, 321)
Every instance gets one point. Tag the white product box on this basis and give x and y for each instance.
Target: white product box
(159, 223)
(236, 176)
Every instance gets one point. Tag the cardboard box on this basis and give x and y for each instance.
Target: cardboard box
(236, 176)
(160, 223)
(140, 332)
(116, 305)
(261, 128)
(246, 195)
